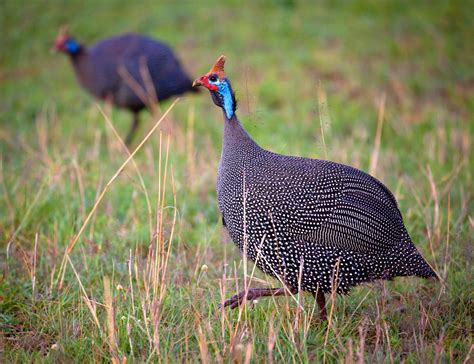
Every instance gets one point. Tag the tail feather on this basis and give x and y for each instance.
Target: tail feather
(410, 262)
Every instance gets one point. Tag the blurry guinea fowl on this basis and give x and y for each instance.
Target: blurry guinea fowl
(98, 69)
(313, 224)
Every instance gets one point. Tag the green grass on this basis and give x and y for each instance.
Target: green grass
(57, 153)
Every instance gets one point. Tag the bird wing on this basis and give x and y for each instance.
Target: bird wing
(146, 57)
(344, 207)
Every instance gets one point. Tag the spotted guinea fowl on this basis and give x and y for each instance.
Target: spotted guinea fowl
(315, 225)
(113, 68)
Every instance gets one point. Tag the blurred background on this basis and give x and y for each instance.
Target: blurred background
(300, 70)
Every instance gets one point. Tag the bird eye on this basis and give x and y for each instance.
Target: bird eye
(213, 78)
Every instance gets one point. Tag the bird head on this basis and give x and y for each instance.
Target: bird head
(65, 43)
(219, 87)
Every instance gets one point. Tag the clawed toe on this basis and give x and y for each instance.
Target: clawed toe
(234, 302)
(237, 300)
(254, 293)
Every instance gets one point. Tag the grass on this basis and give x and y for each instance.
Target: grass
(385, 86)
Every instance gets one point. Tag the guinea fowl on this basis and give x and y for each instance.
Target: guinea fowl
(113, 68)
(316, 225)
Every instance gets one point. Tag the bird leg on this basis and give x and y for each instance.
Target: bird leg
(254, 293)
(133, 128)
(321, 304)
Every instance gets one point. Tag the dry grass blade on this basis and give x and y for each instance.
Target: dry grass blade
(104, 191)
(8, 203)
(350, 352)
(248, 353)
(361, 350)
(333, 301)
(324, 120)
(80, 184)
(378, 136)
(136, 87)
(26, 215)
(140, 177)
(191, 162)
(436, 224)
(109, 307)
(468, 356)
(272, 338)
(149, 85)
(443, 279)
(90, 304)
(33, 273)
(202, 342)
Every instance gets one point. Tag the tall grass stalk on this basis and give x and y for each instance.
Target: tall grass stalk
(104, 191)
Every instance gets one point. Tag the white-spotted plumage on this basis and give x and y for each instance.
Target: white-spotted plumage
(336, 224)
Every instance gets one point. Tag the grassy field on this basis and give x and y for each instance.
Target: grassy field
(145, 277)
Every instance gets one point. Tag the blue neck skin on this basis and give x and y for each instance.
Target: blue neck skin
(226, 92)
(72, 47)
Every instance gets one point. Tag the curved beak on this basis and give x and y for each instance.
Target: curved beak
(197, 82)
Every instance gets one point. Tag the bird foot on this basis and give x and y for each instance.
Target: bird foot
(254, 293)
(240, 299)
